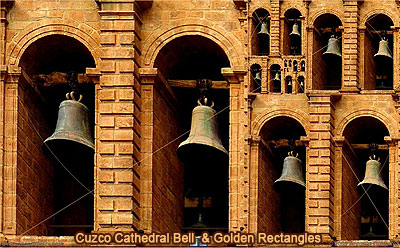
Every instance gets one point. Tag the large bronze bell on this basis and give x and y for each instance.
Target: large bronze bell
(203, 140)
(333, 49)
(295, 31)
(383, 51)
(292, 173)
(373, 174)
(72, 136)
(263, 30)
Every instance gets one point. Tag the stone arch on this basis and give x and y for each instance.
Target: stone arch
(373, 12)
(295, 7)
(85, 34)
(267, 115)
(325, 11)
(228, 42)
(389, 123)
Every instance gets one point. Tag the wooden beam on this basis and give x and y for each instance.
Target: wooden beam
(366, 147)
(56, 78)
(193, 84)
(283, 143)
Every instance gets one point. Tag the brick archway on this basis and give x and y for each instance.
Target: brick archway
(228, 42)
(322, 12)
(389, 123)
(371, 13)
(85, 34)
(264, 117)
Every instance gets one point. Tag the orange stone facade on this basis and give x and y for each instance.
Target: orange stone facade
(140, 60)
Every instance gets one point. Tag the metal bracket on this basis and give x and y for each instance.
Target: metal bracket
(204, 85)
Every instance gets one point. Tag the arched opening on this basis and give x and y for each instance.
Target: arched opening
(303, 66)
(256, 78)
(378, 55)
(281, 204)
(189, 60)
(292, 34)
(43, 184)
(289, 84)
(295, 66)
(365, 216)
(327, 54)
(275, 78)
(300, 84)
(260, 32)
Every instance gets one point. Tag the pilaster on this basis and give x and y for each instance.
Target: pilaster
(9, 201)
(351, 46)
(238, 155)
(117, 189)
(274, 29)
(320, 174)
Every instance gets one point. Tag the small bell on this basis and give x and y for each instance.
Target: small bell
(264, 30)
(257, 76)
(295, 31)
(292, 173)
(333, 49)
(277, 77)
(373, 174)
(383, 51)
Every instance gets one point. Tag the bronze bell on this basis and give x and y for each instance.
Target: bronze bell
(277, 77)
(72, 136)
(292, 172)
(264, 30)
(333, 49)
(203, 140)
(383, 51)
(289, 82)
(257, 77)
(373, 174)
(295, 31)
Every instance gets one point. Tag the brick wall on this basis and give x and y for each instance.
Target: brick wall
(118, 118)
(350, 219)
(167, 169)
(269, 216)
(318, 63)
(35, 191)
(369, 62)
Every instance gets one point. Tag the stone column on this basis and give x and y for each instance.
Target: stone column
(238, 167)
(320, 174)
(393, 187)
(10, 151)
(350, 49)
(117, 186)
(4, 7)
(274, 29)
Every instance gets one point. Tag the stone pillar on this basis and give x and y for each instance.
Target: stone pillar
(393, 187)
(337, 220)
(274, 29)
(254, 143)
(4, 7)
(148, 77)
(320, 174)
(351, 47)
(238, 167)
(118, 117)
(10, 151)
